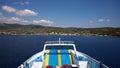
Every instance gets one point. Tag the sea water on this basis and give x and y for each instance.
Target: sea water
(15, 49)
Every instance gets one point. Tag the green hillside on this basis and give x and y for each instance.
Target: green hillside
(45, 30)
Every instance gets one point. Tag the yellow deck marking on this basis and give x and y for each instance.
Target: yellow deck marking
(47, 58)
(69, 51)
(59, 59)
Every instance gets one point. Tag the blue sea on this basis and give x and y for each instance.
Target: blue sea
(15, 49)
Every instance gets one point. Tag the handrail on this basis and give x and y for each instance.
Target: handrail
(74, 47)
(59, 42)
(34, 56)
(85, 55)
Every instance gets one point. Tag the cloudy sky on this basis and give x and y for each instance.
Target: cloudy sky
(62, 13)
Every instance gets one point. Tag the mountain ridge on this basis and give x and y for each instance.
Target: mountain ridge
(49, 30)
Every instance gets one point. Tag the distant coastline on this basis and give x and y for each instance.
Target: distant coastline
(17, 29)
(64, 34)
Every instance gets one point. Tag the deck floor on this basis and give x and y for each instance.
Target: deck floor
(58, 59)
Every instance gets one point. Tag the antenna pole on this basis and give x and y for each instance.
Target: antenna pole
(59, 40)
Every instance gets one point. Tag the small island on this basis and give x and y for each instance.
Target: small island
(18, 29)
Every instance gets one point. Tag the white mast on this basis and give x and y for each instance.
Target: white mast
(59, 40)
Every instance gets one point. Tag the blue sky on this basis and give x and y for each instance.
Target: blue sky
(61, 13)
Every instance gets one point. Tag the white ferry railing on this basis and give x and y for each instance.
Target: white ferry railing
(59, 43)
(33, 57)
(86, 56)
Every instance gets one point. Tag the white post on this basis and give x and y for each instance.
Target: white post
(59, 40)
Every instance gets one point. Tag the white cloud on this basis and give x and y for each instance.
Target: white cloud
(1, 14)
(8, 9)
(108, 20)
(12, 20)
(103, 20)
(48, 22)
(27, 2)
(91, 21)
(22, 3)
(26, 12)
(17, 20)
(100, 20)
(2, 18)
